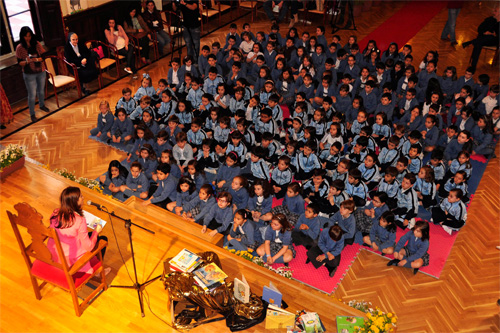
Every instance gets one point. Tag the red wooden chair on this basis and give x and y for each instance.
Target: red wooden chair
(41, 265)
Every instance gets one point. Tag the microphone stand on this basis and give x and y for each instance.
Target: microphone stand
(137, 286)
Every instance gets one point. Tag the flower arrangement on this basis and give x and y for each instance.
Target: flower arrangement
(90, 183)
(11, 154)
(283, 271)
(376, 321)
(66, 174)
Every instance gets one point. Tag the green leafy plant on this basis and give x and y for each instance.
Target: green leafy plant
(11, 154)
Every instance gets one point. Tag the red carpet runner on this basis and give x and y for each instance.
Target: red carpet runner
(404, 24)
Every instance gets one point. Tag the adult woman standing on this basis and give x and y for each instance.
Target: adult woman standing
(71, 228)
(135, 26)
(77, 53)
(117, 37)
(29, 56)
(152, 17)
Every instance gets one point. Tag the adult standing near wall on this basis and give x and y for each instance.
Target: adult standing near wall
(153, 19)
(117, 37)
(191, 24)
(29, 56)
(77, 53)
(488, 33)
(454, 8)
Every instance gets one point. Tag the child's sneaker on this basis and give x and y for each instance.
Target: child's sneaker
(411, 223)
(447, 229)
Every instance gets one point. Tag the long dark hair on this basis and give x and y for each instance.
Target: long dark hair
(281, 218)
(128, 19)
(69, 206)
(24, 31)
(121, 169)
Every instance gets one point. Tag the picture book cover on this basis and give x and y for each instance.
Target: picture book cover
(272, 295)
(92, 220)
(311, 322)
(345, 324)
(241, 290)
(184, 259)
(210, 274)
(276, 317)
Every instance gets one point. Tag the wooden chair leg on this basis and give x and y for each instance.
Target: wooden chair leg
(495, 58)
(55, 93)
(36, 287)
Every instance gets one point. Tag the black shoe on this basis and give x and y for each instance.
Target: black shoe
(383, 254)
(34, 118)
(393, 262)
(364, 244)
(86, 92)
(286, 264)
(44, 108)
(464, 45)
(3, 127)
(332, 273)
(308, 260)
(454, 43)
(415, 270)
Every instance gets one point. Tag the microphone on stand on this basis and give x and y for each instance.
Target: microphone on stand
(90, 203)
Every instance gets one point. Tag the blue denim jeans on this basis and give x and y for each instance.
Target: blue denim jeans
(163, 39)
(35, 84)
(449, 27)
(192, 40)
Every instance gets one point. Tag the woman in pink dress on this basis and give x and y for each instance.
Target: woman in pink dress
(71, 228)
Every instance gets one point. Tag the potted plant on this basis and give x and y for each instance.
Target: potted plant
(11, 159)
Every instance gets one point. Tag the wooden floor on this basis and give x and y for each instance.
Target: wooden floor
(118, 309)
(463, 299)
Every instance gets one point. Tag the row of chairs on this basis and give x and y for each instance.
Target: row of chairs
(62, 79)
(172, 23)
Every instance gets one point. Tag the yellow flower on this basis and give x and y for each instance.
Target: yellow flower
(393, 320)
(388, 327)
(374, 329)
(356, 328)
(389, 315)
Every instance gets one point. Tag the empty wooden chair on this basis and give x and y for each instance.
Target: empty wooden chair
(41, 265)
(248, 4)
(58, 81)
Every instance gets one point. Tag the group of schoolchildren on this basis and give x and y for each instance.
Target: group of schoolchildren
(211, 144)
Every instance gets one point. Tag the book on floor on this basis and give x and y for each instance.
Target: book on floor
(185, 261)
(311, 323)
(92, 220)
(241, 290)
(276, 317)
(209, 276)
(345, 324)
(272, 295)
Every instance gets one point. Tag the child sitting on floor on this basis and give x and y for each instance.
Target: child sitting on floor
(329, 249)
(306, 230)
(451, 213)
(277, 247)
(382, 235)
(411, 249)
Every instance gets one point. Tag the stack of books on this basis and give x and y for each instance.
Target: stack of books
(185, 261)
(209, 277)
(311, 323)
